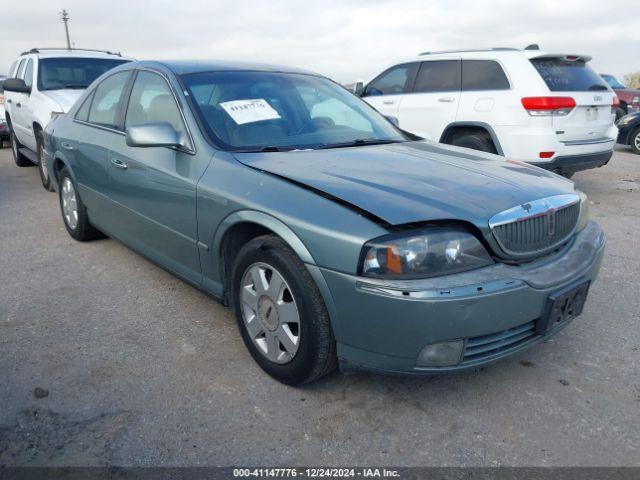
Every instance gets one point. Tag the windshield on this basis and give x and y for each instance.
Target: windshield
(568, 75)
(254, 111)
(72, 72)
(613, 81)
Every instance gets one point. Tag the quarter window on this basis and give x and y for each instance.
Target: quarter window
(438, 76)
(104, 108)
(20, 68)
(28, 73)
(83, 111)
(394, 81)
(483, 75)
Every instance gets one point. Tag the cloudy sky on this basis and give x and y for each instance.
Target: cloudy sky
(344, 39)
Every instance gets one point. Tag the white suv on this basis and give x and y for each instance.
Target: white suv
(551, 110)
(42, 84)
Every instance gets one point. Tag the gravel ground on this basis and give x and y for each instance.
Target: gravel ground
(105, 359)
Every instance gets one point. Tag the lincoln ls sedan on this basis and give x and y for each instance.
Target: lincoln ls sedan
(338, 239)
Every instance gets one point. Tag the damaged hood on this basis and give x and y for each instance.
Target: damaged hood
(414, 181)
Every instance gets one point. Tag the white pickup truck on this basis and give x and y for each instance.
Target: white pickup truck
(42, 84)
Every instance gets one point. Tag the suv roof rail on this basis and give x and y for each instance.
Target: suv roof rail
(494, 49)
(38, 50)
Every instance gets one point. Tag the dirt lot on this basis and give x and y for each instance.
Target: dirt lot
(138, 368)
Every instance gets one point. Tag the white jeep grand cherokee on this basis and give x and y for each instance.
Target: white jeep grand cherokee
(42, 84)
(551, 110)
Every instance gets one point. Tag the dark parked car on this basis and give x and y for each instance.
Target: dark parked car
(629, 131)
(333, 235)
(4, 127)
(629, 97)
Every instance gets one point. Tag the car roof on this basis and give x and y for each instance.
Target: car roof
(185, 67)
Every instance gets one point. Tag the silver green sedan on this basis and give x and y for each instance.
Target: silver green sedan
(337, 238)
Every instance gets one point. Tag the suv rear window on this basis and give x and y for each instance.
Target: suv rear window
(562, 75)
(483, 75)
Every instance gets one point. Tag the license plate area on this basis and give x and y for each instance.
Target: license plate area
(563, 306)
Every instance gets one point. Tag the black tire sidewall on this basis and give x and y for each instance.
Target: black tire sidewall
(474, 142)
(46, 182)
(307, 299)
(635, 134)
(18, 158)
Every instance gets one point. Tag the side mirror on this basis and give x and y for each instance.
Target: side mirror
(16, 85)
(393, 120)
(153, 134)
(358, 88)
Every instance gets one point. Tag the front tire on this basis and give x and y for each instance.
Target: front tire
(635, 141)
(281, 314)
(20, 159)
(42, 164)
(74, 212)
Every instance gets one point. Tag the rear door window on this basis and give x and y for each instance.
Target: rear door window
(483, 75)
(20, 69)
(438, 76)
(395, 81)
(562, 75)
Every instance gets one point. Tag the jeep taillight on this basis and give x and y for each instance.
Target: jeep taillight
(546, 106)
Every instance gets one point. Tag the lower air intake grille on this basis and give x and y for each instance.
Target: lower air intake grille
(486, 346)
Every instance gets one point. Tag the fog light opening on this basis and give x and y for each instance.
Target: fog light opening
(445, 354)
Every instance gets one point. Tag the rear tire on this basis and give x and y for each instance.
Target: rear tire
(42, 164)
(291, 338)
(474, 140)
(635, 141)
(74, 212)
(20, 159)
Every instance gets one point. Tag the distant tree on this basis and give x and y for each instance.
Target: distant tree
(632, 80)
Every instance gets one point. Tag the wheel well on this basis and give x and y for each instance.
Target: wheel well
(234, 239)
(36, 127)
(452, 132)
(58, 165)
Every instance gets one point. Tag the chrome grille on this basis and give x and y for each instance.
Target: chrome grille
(536, 227)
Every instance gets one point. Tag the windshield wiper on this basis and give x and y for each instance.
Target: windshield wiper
(358, 143)
(597, 87)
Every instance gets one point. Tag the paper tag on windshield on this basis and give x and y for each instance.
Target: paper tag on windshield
(248, 111)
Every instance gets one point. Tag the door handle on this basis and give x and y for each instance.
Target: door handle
(118, 163)
(9, 100)
(66, 146)
(18, 104)
(389, 102)
(446, 99)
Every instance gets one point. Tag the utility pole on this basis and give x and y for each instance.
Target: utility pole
(65, 20)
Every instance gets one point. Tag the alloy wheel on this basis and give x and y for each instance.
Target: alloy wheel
(270, 313)
(42, 164)
(69, 203)
(636, 141)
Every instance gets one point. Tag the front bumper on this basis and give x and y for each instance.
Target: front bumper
(576, 163)
(384, 325)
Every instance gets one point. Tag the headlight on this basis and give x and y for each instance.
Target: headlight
(425, 253)
(583, 219)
